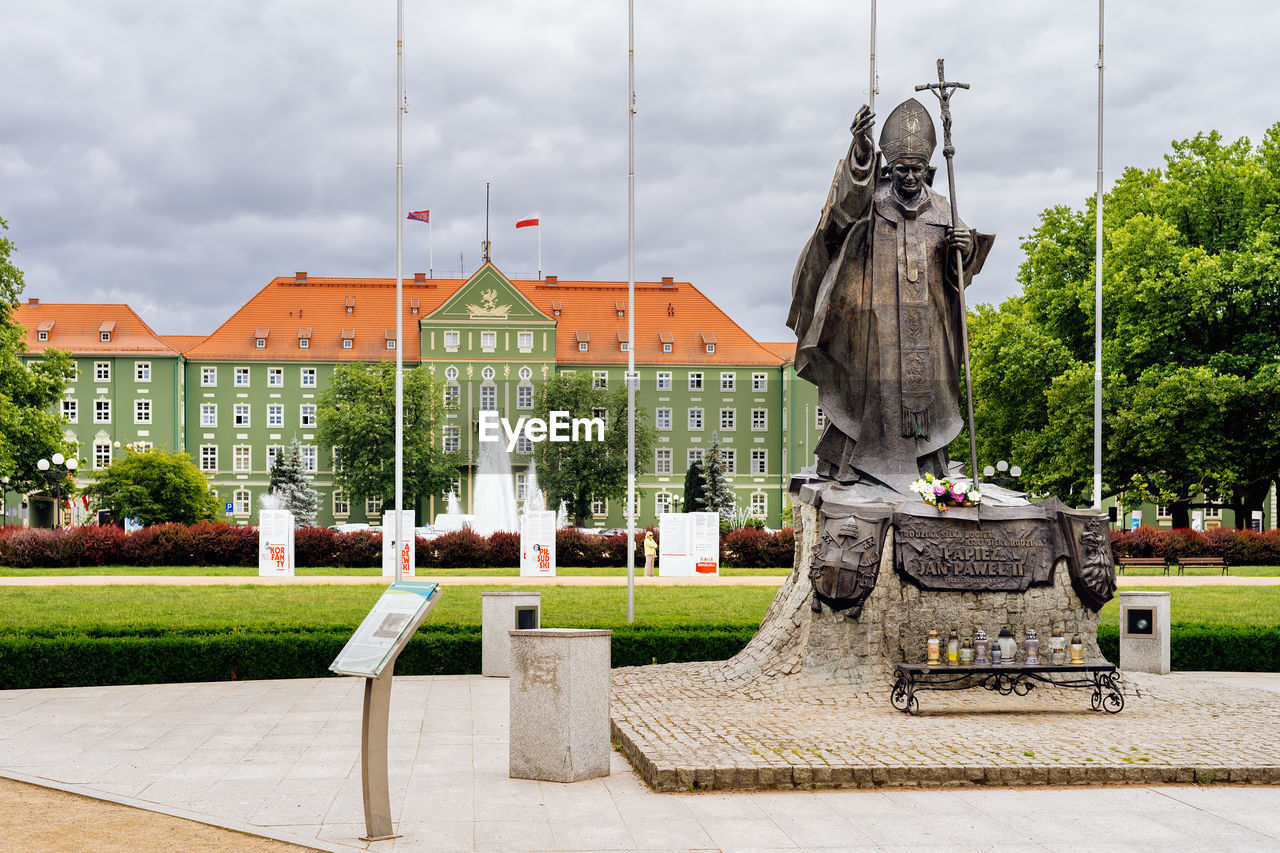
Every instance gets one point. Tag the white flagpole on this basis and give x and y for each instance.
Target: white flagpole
(430, 251)
(631, 312)
(400, 108)
(1097, 294)
(539, 215)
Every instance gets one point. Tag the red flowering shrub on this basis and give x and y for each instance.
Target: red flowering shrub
(460, 549)
(504, 550)
(96, 545)
(34, 548)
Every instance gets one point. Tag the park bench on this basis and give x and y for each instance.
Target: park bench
(1100, 677)
(1202, 562)
(1124, 562)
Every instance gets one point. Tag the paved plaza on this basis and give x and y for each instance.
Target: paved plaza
(281, 759)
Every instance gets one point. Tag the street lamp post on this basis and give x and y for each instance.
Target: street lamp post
(4, 501)
(1003, 468)
(49, 467)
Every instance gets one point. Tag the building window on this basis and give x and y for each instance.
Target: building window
(372, 506)
(488, 397)
(662, 418)
(260, 343)
(240, 414)
(101, 455)
(451, 340)
(523, 443)
(341, 505)
(624, 346)
(693, 457)
(582, 346)
(335, 454)
(819, 418)
(666, 347)
(391, 343)
(309, 458)
(759, 505)
(695, 419)
(759, 419)
(304, 343)
(142, 411)
(599, 507)
(102, 411)
(525, 374)
(240, 459)
(275, 415)
(525, 340)
(524, 397)
(759, 382)
(759, 461)
(695, 381)
(142, 371)
(451, 373)
(662, 503)
(42, 335)
(209, 377)
(308, 377)
(522, 486)
(242, 377)
(711, 348)
(307, 416)
(208, 457)
(664, 380)
(275, 377)
(728, 381)
(599, 379)
(142, 447)
(728, 419)
(487, 374)
(102, 371)
(728, 460)
(347, 343)
(1212, 511)
(489, 341)
(70, 411)
(452, 439)
(662, 460)
(241, 502)
(451, 396)
(106, 337)
(274, 452)
(208, 414)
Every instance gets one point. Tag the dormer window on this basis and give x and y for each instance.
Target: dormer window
(623, 344)
(43, 330)
(413, 306)
(260, 338)
(584, 340)
(556, 307)
(105, 330)
(348, 338)
(42, 335)
(390, 336)
(620, 308)
(668, 341)
(351, 305)
(709, 341)
(304, 337)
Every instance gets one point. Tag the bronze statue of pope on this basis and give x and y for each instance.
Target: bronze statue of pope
(876, 309)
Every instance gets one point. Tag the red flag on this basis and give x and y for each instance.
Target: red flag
(527, 223)
(420, 215)
(85, 500)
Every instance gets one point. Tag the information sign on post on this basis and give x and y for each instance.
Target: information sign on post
(688, 544)
(1136, 521)
(538, 543)
(406, 553)
(275, 543)
(371, 653)
(706, 542)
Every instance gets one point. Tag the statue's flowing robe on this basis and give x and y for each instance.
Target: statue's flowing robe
(876, 311)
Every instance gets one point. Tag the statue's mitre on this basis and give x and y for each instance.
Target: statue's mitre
(908, 132)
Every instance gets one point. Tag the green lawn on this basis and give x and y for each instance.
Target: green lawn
(1201, 571)
(1257, 606)
(238, 571)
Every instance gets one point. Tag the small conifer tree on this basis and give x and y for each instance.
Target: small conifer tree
(717, 492)
(291, 483)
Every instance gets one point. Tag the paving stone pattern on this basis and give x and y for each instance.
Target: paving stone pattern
(806, 705)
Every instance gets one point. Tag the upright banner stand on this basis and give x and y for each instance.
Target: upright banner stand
(371, 653)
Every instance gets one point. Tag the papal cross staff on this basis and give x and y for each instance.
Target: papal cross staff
(944, 90)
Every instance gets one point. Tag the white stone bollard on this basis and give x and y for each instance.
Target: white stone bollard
(559, 704)
(1144, 632)
(500, 614)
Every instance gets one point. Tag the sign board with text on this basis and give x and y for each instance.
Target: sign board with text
(275, 543)
(688, 544)
(538, 544)
(384, 632)
(406, 553)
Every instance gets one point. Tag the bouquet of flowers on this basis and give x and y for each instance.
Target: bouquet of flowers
(945, 493)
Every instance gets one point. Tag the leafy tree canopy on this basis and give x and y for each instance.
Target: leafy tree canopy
(155, 486)
(1191, 304)
(356, 414)
(577, 471)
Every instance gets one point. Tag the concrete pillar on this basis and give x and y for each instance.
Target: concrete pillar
(1144, 632)
(560, 704)
(500, 614)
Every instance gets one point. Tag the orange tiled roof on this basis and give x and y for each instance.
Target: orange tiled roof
(77, 328)
(292, 307)
(666, 310)
(182, 343)
(785, 350)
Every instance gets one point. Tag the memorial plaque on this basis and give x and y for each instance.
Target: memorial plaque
(969, 554)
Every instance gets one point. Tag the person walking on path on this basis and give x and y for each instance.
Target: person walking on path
(650, 551)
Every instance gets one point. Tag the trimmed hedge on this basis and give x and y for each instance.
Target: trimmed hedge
(445, 649)
(1238, 547)
(221, 544)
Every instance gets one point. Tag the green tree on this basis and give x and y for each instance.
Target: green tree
(291, 483)
(1191, 304)
(29, 428)
(357, 413)
(577, 471)
(717, 493)
(155, 486)
(695, 486)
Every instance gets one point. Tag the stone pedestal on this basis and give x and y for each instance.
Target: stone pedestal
(500, 614)
(559, 704)
(1144, 632)
(895, 616)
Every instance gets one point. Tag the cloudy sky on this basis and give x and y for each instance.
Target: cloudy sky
(177, 156)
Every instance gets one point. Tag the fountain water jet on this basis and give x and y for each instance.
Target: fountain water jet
(534, 501)
(495, 494)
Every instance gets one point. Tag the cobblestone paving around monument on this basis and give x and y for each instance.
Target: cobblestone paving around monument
(686, 727)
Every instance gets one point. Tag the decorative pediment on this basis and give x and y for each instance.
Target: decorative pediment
(488, 295)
